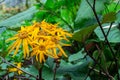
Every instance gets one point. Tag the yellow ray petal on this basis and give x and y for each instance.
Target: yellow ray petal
(13, 45)
(17, 47)
(54, 52)
(40, 57)
(43, 57)
(24, 51)
(33, 53)
(50, 54)
(37, 57)
(11, 39)
(62, 50)
(26, 47)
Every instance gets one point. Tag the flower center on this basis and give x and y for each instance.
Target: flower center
(42, 33)
(23, 34)
(42, 48)
(55, 40)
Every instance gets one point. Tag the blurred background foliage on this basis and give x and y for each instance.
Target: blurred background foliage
(89, 56)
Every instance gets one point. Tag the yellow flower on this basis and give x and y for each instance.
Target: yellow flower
(45, 40)
(15, 69)
(42, 50)
(56, 40)
(35, 29)
(23, 38)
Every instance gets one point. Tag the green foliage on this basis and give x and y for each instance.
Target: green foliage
(85, 12)
(77, 56)
(75, 16)
(82, 34)
(113, 35)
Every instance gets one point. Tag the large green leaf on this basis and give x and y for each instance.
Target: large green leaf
(82, 34)
(85, 12)
(77, 56)
(18, 18)
(118, 17)
(3, 66)
(77, 71)
(48, 73)
(2, 29)
(32, 70)
(113, 36)
(68, 67)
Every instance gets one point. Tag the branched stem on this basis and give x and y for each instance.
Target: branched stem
(109, 29)
(114, 56)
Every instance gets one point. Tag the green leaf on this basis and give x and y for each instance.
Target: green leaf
(113, 36)
(48, 73)
(18, 18)
(40, 15)
(82, 34)
(50, 4)
(76, 56)
(2, 29)
(109, 17)
(2, 73)
(32, 70)
(77, 71)
(108, 54)
(118, 17)
(112, 7)
(85, 12)
(3, 66)
(66, 15)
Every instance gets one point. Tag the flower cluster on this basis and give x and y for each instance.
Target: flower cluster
(44, 39)
(18, 65)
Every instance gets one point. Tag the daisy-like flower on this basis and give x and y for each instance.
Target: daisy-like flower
(15, 69)
(45, 40)
(42, 50)
(22, 38)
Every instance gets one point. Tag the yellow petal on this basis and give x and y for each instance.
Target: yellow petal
(13, 45)
(62, 50)
(17, 47)
(12, 69)
(13, 38)
(40, 57)
(26, 47)
(54, 52)
(24, 51)
(20, 72)
(37, 57)
(43, 57)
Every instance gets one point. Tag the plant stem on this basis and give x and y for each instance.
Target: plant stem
(109, 29)
(57, 62)
(114, 56)
(40, 73)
